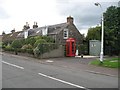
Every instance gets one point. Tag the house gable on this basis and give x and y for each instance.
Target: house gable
(72, 33)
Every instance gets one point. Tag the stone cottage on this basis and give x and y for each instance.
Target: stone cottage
(59, 32)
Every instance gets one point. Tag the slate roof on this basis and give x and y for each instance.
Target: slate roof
(55, 29)
(20, 34)
(35, 31)
(11, 36)
(52, 30)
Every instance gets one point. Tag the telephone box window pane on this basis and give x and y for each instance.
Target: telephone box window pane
(68, 48)
(73, 47)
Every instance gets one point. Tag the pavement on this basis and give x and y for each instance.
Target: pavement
(83, 64)
(77, 63)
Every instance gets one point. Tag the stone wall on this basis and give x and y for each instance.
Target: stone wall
(51, 54)
(72, 33)
(54, 53)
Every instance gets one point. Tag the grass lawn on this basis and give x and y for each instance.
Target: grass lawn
(108, 62)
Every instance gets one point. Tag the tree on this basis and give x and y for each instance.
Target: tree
(111, 31)
(112, 35)
(94, 34)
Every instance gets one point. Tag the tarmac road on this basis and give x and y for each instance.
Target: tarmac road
(21, 72)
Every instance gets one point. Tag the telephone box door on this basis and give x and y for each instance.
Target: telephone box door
(70, 47)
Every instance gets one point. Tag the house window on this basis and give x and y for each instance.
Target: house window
(45, 31)
(65, 33)
(19, 34)
(25, 34)
(37, 31)
(11, 35)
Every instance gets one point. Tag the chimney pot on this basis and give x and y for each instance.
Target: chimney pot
(13, 31)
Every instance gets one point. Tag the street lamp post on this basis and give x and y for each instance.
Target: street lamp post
(102, 40)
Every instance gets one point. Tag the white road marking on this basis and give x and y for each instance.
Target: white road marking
(12, 65)
(62, 81)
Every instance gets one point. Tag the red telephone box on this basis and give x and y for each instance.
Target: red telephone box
(70, 47)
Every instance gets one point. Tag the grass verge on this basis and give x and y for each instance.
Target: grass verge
(108, 62)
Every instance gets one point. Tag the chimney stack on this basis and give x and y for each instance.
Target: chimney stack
(3, 33)
(70, 20)
(13, 30)
(25, 27)
(35, 25)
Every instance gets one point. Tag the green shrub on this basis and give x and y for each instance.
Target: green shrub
(48, 39)
(43, 48)
(36, 52)
(30, 40)
(3, 46)
(27, 46)
(38, 37)
(30, 51)
(83, 49)
(21, 50)
(16, 44)
(8, 48)
(39, 41)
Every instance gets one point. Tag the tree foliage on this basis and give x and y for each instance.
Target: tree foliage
(111, 31)
(16, 44)
(112, 35)
(94, 33)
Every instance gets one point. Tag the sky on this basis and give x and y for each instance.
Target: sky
(15, 13)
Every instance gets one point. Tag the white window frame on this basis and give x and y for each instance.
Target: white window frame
(45, 31)
(25, 34)
(65, 33)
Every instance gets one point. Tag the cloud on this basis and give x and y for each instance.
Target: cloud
(85, 14)
(3, 14)
(14, 13)
(21, 11)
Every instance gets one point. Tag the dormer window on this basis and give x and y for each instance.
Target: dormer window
(65, 34)
(25, 34)
(45, 31)
(19, 34)
(11, 35)
(37, 31)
